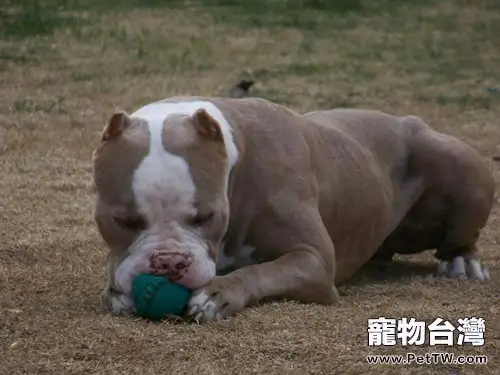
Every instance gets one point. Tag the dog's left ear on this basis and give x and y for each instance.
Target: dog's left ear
(206, 125)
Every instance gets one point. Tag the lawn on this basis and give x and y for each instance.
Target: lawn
(65, 66)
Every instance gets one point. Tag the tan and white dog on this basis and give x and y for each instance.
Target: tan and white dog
(297, 203)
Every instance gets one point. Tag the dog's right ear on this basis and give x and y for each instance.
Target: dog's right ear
(118, 122)
(206, 125)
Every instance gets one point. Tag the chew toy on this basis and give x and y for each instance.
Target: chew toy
(156, 298)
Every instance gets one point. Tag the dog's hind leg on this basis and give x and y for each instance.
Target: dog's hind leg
(458, 255)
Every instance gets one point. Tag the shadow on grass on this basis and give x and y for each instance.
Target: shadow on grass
(395, 271)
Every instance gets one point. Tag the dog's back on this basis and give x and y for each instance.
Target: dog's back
(458, 189)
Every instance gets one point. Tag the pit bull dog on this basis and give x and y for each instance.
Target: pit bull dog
(294, 204)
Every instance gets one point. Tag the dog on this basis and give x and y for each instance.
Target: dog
(289, 205)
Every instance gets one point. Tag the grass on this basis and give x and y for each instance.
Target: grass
(66, 65)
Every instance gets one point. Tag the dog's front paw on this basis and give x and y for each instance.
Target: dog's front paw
(219, 299)
(117, 304)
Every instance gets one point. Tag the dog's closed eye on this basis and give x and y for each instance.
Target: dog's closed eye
(130, 223)
(202, 218)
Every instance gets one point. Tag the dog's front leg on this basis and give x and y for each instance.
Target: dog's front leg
(303, 268)
(299, 275)
(304, 272)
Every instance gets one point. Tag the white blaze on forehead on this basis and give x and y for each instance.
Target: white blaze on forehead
(159, 111)
(162, 179)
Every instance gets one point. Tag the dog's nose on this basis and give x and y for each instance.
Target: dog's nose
(173, 265)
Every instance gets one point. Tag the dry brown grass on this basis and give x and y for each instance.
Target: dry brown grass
(58, 90)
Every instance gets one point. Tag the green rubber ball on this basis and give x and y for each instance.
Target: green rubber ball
(155, 297)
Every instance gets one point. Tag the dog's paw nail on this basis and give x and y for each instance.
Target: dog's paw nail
(192, 310)
(198, 317)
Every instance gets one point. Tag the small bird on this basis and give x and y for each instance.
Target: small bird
(240, 90)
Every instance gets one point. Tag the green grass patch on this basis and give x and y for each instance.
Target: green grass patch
(28, 18)
(298, 69)
(29, 105)
(462, 101)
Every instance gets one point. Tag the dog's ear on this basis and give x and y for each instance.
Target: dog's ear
(206, 125)
(118, 122)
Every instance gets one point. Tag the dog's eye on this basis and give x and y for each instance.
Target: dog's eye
(131, 223)
(201, 219)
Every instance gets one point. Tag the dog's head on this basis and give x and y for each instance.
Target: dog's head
(161, 177)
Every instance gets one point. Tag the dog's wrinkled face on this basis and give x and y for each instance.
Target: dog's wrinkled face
(161, 179)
